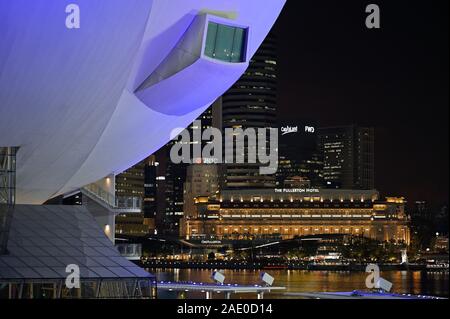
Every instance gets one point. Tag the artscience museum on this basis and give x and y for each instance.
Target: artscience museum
(80, 105)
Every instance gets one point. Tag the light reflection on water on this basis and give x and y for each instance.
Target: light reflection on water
(414, 282)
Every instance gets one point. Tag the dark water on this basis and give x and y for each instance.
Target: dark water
(414, 282)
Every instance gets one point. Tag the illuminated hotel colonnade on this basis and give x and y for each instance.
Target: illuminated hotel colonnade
(271, 216)
(381, 231)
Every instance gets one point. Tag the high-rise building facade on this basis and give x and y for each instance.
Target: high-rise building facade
(420, 209)
(150, 187)
(172, 176)
(348, 155)
(130, 183)
(174, 187)
(149, 203)
(202, 181)
(251, 103)
(130, 187)
(300, 162)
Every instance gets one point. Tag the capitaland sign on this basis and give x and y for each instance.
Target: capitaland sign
(289, 129)
(295, 129)
(297, 190)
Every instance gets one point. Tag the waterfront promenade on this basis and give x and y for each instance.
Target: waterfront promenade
(289, 265)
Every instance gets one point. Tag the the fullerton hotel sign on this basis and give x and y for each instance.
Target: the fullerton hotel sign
(297, 190)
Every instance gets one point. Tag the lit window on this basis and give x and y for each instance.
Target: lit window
(225, 43)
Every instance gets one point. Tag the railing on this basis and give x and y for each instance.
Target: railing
(118, 203)
(130, 251)
(127, 202)
(101, 194)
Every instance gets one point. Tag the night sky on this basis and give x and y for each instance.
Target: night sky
(334, 70)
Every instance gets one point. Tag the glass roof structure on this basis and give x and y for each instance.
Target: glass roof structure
(44, 240)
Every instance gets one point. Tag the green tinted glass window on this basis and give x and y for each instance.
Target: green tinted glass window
(211, 39)
(225, 43)
(237, 54)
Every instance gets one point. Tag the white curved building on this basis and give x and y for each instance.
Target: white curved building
(84, 103)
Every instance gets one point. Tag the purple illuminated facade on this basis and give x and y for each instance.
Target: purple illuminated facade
(85, 103)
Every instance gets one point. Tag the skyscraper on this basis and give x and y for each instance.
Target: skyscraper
(131, 182)
(130, 186)
(172, 176)
(348, 155)
(300, 161)
(420, 209)
(251, 103)
(175, 177)
(202, 180)
(149, 204)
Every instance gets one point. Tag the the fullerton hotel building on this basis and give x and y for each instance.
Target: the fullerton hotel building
(287, 213)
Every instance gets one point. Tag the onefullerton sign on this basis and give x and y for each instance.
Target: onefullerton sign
(251, 146)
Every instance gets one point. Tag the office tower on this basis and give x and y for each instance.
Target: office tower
(130, 183)
(300, 162)
(149, 203)
(129, 190)
(149, 207)
(172, 176)
(212, 117)
(348, 155)
(174, 182)
(440, 219)
(202, 181)
(420, 209)
(251, 103)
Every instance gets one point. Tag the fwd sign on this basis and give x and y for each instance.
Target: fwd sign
(309, 129)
